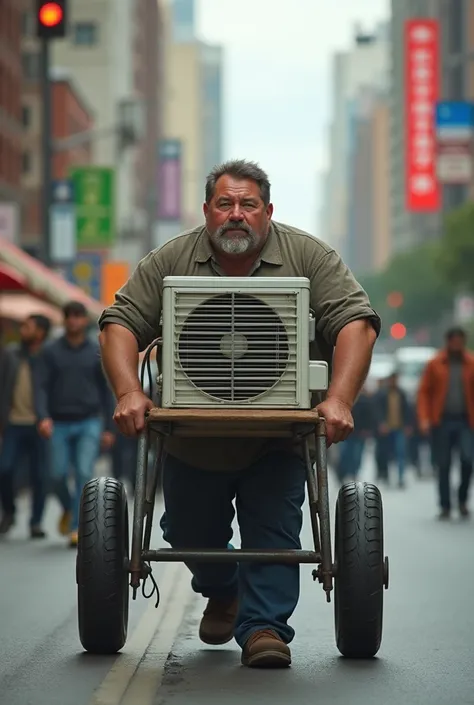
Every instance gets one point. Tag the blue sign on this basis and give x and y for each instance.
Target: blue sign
(86, 273)
(454, 114)
(62, 191)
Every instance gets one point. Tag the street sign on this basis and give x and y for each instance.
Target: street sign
(86, 273)
(94, 197)
(63, 232)
(454, 124)
(62, 191)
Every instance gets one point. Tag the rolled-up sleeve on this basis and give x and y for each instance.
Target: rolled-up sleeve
(137, 304)
(337, 298)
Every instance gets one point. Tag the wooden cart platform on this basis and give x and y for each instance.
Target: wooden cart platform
(233, 422)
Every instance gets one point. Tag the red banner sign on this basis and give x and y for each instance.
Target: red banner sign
(422, 79)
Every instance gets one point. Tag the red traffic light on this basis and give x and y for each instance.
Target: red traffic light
(398, 331)
(50, 14)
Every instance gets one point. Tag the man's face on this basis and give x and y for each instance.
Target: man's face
(29, 331)
(75, 323)
(237, 220)
(456, 344)
(393, 381)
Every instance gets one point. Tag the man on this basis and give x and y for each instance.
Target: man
(352, 449)
(445, 408)
(392, 412)
(21, 439)
(201, 477)
(74, 409)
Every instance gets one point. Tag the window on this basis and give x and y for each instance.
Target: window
(28, 24)
(85, 33)
(31, 65)
(26, 116)
(26, 162)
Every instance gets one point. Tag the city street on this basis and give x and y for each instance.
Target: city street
(426, 655)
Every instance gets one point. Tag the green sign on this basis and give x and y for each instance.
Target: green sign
(94, 199)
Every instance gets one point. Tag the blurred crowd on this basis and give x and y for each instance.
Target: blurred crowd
(56, 420)
(417, 410)
(56, 411)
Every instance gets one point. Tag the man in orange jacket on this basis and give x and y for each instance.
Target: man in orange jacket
(445, 407)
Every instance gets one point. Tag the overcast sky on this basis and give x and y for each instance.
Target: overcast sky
(277, 89)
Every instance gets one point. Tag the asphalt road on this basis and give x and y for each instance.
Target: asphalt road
(426, 655)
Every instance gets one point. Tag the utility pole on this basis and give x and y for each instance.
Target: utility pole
(46, 152)
(51, 20)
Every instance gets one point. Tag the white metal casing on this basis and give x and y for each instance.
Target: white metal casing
(271, 303)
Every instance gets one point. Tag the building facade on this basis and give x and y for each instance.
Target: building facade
(70, 114)
(365, 64)
(10, 101)
(456, 19)
(212, 81)
(113, 51)
(194, 104)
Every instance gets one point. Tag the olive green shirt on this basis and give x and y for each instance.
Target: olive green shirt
(335, 297)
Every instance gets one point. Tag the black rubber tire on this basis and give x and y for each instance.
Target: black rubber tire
(359, 560)
(101, 570)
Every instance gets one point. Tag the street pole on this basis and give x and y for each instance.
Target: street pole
(46, 150)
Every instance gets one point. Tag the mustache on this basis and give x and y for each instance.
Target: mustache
(238, 225)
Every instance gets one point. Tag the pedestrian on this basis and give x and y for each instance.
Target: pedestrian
(201, 477)
(20, 437)
(352, 449)
(74, 409)
(392, 411)
(445, 408)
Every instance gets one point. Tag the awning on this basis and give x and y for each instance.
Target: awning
(11, 280)
(43, 282)
(17, 307)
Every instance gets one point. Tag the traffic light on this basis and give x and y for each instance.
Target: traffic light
(51, 19)
(398, 331)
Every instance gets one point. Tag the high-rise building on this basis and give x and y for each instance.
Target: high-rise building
(212, 89)
(10, 102)
(365, 64)
(456, 49)
(194, 105)
(112, 52)
(407, 228)
(183, 20)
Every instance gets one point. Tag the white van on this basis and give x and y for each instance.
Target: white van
(410, 363)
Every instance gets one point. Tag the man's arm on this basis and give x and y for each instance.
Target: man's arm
(119, 349)
(131, 324)
(348, 324)
(352, 357)
(127, 328)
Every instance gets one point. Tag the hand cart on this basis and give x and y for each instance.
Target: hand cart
(107, 568)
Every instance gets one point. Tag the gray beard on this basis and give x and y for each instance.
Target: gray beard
(231, 245)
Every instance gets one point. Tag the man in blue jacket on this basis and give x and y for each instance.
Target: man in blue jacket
(20, 437)
(74, 409)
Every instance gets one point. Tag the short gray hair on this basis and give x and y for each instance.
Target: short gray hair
(239, 169)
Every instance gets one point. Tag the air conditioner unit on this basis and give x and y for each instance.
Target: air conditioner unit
(238, 342)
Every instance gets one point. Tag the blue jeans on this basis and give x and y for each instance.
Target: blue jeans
(269, 498)
(453, 433)
(393, 445)
(23, 442)
(350, 458)
(74, 444)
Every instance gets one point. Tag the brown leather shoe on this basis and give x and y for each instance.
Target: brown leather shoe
(265, 649)
(218, 621)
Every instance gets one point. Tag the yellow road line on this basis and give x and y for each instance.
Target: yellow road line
(147, 680)
(118, 679)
